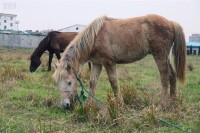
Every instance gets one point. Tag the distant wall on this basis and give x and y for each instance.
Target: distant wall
(20, 40)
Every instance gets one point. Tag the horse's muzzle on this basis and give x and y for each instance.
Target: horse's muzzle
(31, 70)
(66, 104)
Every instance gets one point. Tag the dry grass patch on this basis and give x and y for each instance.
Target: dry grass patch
(85, 74)
(135, 98)
(9, 72)
(50, 102)
(190, 67)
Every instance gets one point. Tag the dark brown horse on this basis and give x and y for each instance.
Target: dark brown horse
(54, 42)
(107, 42)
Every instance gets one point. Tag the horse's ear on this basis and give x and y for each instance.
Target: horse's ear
(30, 57)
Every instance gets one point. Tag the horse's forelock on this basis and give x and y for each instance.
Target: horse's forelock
(61, 70)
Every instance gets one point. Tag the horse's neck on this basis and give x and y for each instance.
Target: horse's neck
(39, 51)
(76, 66)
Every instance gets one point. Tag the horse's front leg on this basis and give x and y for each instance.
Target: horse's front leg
(112, 76)
(50, 60)
(95, 73)
(58, 55)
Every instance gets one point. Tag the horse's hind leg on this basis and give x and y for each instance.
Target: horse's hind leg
(163, 69)
(172, 80)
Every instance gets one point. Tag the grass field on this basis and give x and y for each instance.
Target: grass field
(30, 102)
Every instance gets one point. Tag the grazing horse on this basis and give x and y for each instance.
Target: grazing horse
(107, 42)
(54, 42)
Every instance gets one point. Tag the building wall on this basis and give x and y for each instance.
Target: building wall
(193, 50)
(75, 28)
(17, 40)
(8, 22)
(194, 38)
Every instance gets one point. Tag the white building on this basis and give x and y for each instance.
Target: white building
(73, 28)
(8, 22)
(194, 38)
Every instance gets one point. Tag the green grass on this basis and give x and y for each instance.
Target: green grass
(30, 102)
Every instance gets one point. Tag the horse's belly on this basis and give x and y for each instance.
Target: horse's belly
(130, 56)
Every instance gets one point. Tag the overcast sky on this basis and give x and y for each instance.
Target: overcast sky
(57, 14)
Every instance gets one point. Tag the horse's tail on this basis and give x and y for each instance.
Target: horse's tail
(179, 52)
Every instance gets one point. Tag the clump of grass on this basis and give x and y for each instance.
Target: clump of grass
(44, 62)
(85, 112)
(85, 74)
(47, 77)
(49, 102)
(80, 113)
(133, 98)
(129, 95)
(174, 105)
(151, 114)
(190, 67)
(138, 124)
(11, 72)
(113, 107)
(31, 96)
(145, 100)
(44, 127)
(32, 130)
(23, 69)
(8, 84)
(6, 57)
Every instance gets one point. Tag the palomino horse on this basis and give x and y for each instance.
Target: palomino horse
(107, 42)
(54, 42)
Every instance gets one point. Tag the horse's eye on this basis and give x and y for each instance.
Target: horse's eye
(69, 83)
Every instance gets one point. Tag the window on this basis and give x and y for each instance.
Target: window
(11, 18)
(11, 24)
(4, 21)
(5, 27)
(194, 52)
(76, 28)
(188, 52)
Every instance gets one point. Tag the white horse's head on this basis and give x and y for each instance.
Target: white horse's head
(67, 84)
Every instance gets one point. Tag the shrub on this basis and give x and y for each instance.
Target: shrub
(190, 67)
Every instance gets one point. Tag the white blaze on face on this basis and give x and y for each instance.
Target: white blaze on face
(65, 92)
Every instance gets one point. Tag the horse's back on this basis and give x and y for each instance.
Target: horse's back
(60, 40)
(127, 40)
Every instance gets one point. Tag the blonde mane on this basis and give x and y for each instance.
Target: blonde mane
(79, 49)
